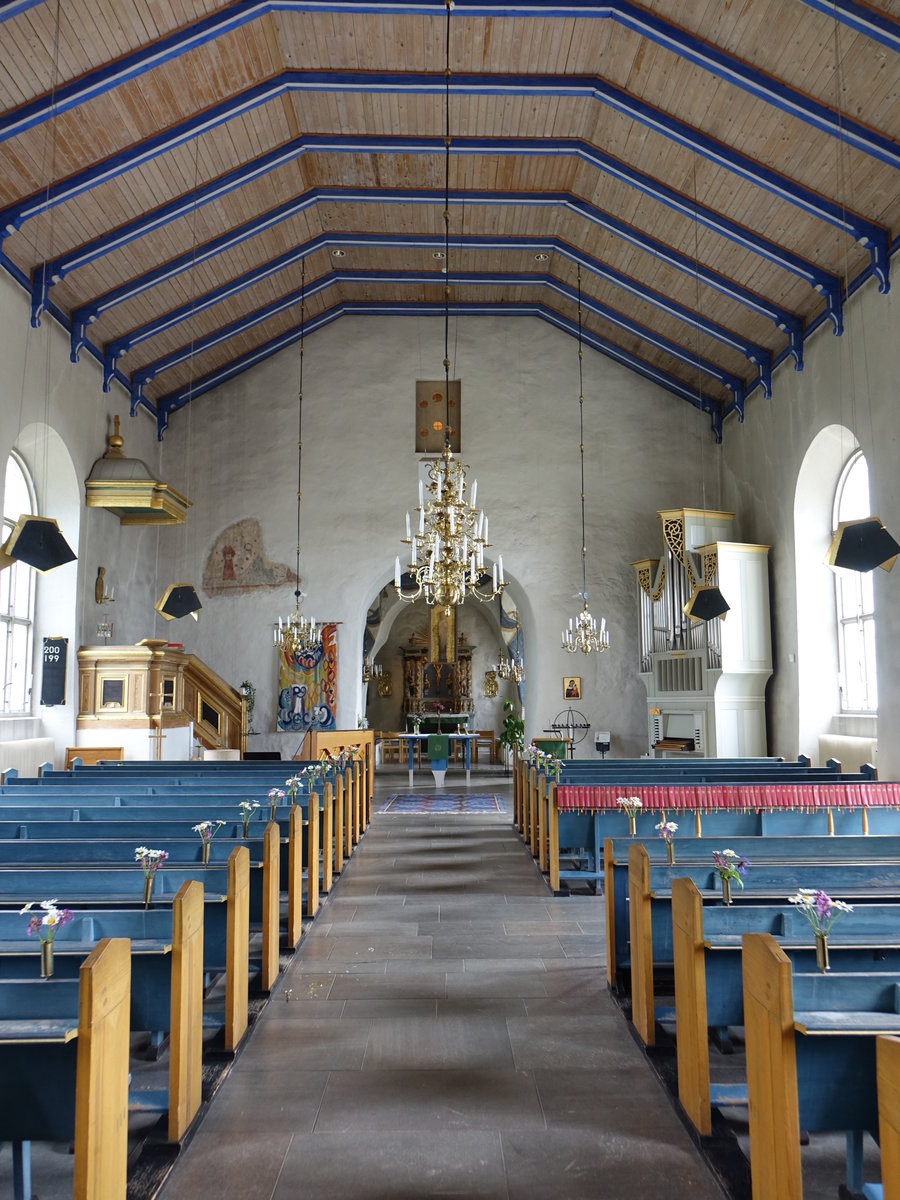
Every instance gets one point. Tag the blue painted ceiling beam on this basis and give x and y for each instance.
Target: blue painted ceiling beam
(873, 236)
(680, 42)
(180, 397)
(151, 370)
(821, 281)
(116, 348)
(860, 17)
(12, 8)
(786, 321)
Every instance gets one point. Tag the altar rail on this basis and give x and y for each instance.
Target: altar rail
(745, 796)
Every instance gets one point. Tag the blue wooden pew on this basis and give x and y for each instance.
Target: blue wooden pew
(650, 909)
(810, 1041)
(65, 1043)
(708, 982)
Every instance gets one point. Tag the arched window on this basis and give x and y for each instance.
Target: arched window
(17, 584)
(855, 598)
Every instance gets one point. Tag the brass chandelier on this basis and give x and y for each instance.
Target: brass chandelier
(511, 668)
(446, 561)
(298, 635)
(584, 633)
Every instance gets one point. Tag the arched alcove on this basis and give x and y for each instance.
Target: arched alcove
(817, 650)
(58, 493)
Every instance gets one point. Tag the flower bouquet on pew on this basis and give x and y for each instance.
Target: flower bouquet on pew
(293, 784)
(666, 830)
(151, 861)
(247, 809)
(275, 795)
(631, 806)
(207, 831)
(45, 925)
(821, 912)
(730, 867)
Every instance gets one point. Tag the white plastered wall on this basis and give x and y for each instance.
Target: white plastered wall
(848, 382)
(520, 439)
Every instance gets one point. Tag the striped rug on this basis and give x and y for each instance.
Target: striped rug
(442, 803)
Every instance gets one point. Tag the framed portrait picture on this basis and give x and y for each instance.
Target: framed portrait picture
(571, 687)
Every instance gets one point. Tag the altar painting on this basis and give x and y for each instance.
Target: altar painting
(307, 687)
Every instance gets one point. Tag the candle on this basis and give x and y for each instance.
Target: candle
(500, 562)
(462, 484)
(397, 571)
(486, 539)
(407, 527)
(421, 520)
(421, 494)
(474, 492)
(480, 522)
(415, 559)
(474, 576)
(495, 576)
(571, 626)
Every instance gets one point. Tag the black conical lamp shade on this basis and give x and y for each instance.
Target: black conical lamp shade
(179, 600)
(862, 546)
(37, 541)
(705, 604)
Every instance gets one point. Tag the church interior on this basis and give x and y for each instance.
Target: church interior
(481, 415)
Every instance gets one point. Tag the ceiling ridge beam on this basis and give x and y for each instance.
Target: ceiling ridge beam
(758, 355)
(181, 396)
(822, 281)
(151, 370)
(788, 322)
(645, 23)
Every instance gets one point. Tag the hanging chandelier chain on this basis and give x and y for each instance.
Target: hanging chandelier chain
(446, 562)
(447, 74)
(584, 633)
(300, 414)
(584, 594)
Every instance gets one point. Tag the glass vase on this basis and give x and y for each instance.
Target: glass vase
(148, 890)
(205, 853)
(632, 824)
(822, 952)
(46, 960)
(726, 889)
(246, 825)
(670, 851)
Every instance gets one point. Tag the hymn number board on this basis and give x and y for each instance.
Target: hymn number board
(53, 679)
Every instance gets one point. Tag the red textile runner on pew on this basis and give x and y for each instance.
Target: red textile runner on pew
(735, 796)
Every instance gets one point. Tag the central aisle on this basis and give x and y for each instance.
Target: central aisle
(447, 1033)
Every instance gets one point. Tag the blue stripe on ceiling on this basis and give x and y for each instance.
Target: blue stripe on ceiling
(435, 279)
(702, 54)
(12, 8)
(821, 281)
(862, 230)
(115, 349)
(788, 322)
(876, 25)
(199, 387)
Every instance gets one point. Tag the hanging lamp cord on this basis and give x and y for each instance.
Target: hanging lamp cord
(581, 444)
(447, 233)
(300, 417)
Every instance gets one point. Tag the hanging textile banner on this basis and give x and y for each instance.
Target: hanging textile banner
(307, 695)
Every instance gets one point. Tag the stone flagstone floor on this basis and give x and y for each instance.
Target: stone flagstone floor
(444, 1030)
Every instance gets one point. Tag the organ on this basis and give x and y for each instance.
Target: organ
(705, 681)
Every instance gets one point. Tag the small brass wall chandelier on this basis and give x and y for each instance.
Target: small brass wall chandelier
(584, 633)
(446, 562)
(511, 668)
(298, 634)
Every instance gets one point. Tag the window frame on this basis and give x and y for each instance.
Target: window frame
(16, 617)
(862, 621)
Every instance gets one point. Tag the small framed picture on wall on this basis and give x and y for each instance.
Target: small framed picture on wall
(571, 687)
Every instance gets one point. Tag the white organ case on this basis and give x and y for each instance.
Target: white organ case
(705, 681)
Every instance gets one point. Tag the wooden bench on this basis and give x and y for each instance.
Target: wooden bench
(92, 754)
(74, 1039)
(650, 911)
(708, 985)
(810, 1041)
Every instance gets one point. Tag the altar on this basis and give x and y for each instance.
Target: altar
(416, 741)
(431, 722)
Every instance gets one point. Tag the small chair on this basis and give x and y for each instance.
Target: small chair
(484, 740)
(390, 747)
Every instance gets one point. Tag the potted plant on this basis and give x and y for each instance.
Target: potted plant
(512, 735)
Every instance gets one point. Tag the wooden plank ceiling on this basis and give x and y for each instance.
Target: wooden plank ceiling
(723, 174)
